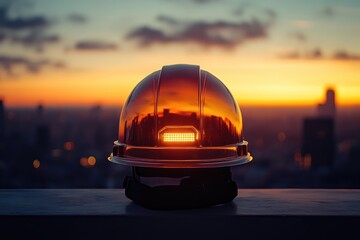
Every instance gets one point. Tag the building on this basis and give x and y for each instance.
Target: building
(318, 143)
(318, 136)
(328, 108)
(42, 131)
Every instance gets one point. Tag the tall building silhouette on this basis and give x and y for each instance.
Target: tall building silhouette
(42, 135)
(328, 108)
(318, 147)
(318, 136)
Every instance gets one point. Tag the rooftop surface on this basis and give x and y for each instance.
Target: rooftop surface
(107, 213)
(313, 202)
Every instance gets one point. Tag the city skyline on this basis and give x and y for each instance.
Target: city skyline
(68, 147)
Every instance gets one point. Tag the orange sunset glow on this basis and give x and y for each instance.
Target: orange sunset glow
(278, 83)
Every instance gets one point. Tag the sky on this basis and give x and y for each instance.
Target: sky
(90, 52)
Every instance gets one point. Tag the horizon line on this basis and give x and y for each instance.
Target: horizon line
(121, 105)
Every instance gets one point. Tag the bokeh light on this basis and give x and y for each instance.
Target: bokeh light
(36, 163)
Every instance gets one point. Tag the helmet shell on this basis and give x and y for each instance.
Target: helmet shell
(180, 98)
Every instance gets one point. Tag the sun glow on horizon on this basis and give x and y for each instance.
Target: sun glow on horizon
(271, 86)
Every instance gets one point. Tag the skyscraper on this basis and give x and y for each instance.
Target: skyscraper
(328, 108)
(42, 137)
(318, 145)
(318, 137)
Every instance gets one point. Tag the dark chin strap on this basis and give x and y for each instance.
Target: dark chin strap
(189, 194)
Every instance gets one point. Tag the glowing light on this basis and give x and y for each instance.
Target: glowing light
(87, 162)
(68, 146)
(36, 163)
(91, 161)
(307, 162)
(298, 158)
(303, 161)
(179, 137)
(84, 161)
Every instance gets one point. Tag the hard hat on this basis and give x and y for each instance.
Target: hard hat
(180, 130)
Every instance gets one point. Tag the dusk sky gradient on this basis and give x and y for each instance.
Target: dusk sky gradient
(87, 52)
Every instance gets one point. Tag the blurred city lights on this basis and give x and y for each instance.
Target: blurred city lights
(36, 163)
(84, 161)
(87, 162)
(91, 161)
(68, 146)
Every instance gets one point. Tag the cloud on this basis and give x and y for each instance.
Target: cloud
(314, 54)
(21, 23)
(95, 45)
(167, 20)
(298, 36)
(239, 11)
(327, 12)
(343, 55)
(147, 36)
(11, 64)
(35, 39)
(77, 18)
(250, 9)
(271, 14)
(317, 53)
(223, 34)
(29, 32)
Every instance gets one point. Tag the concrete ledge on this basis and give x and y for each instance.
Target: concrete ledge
(107, 213)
